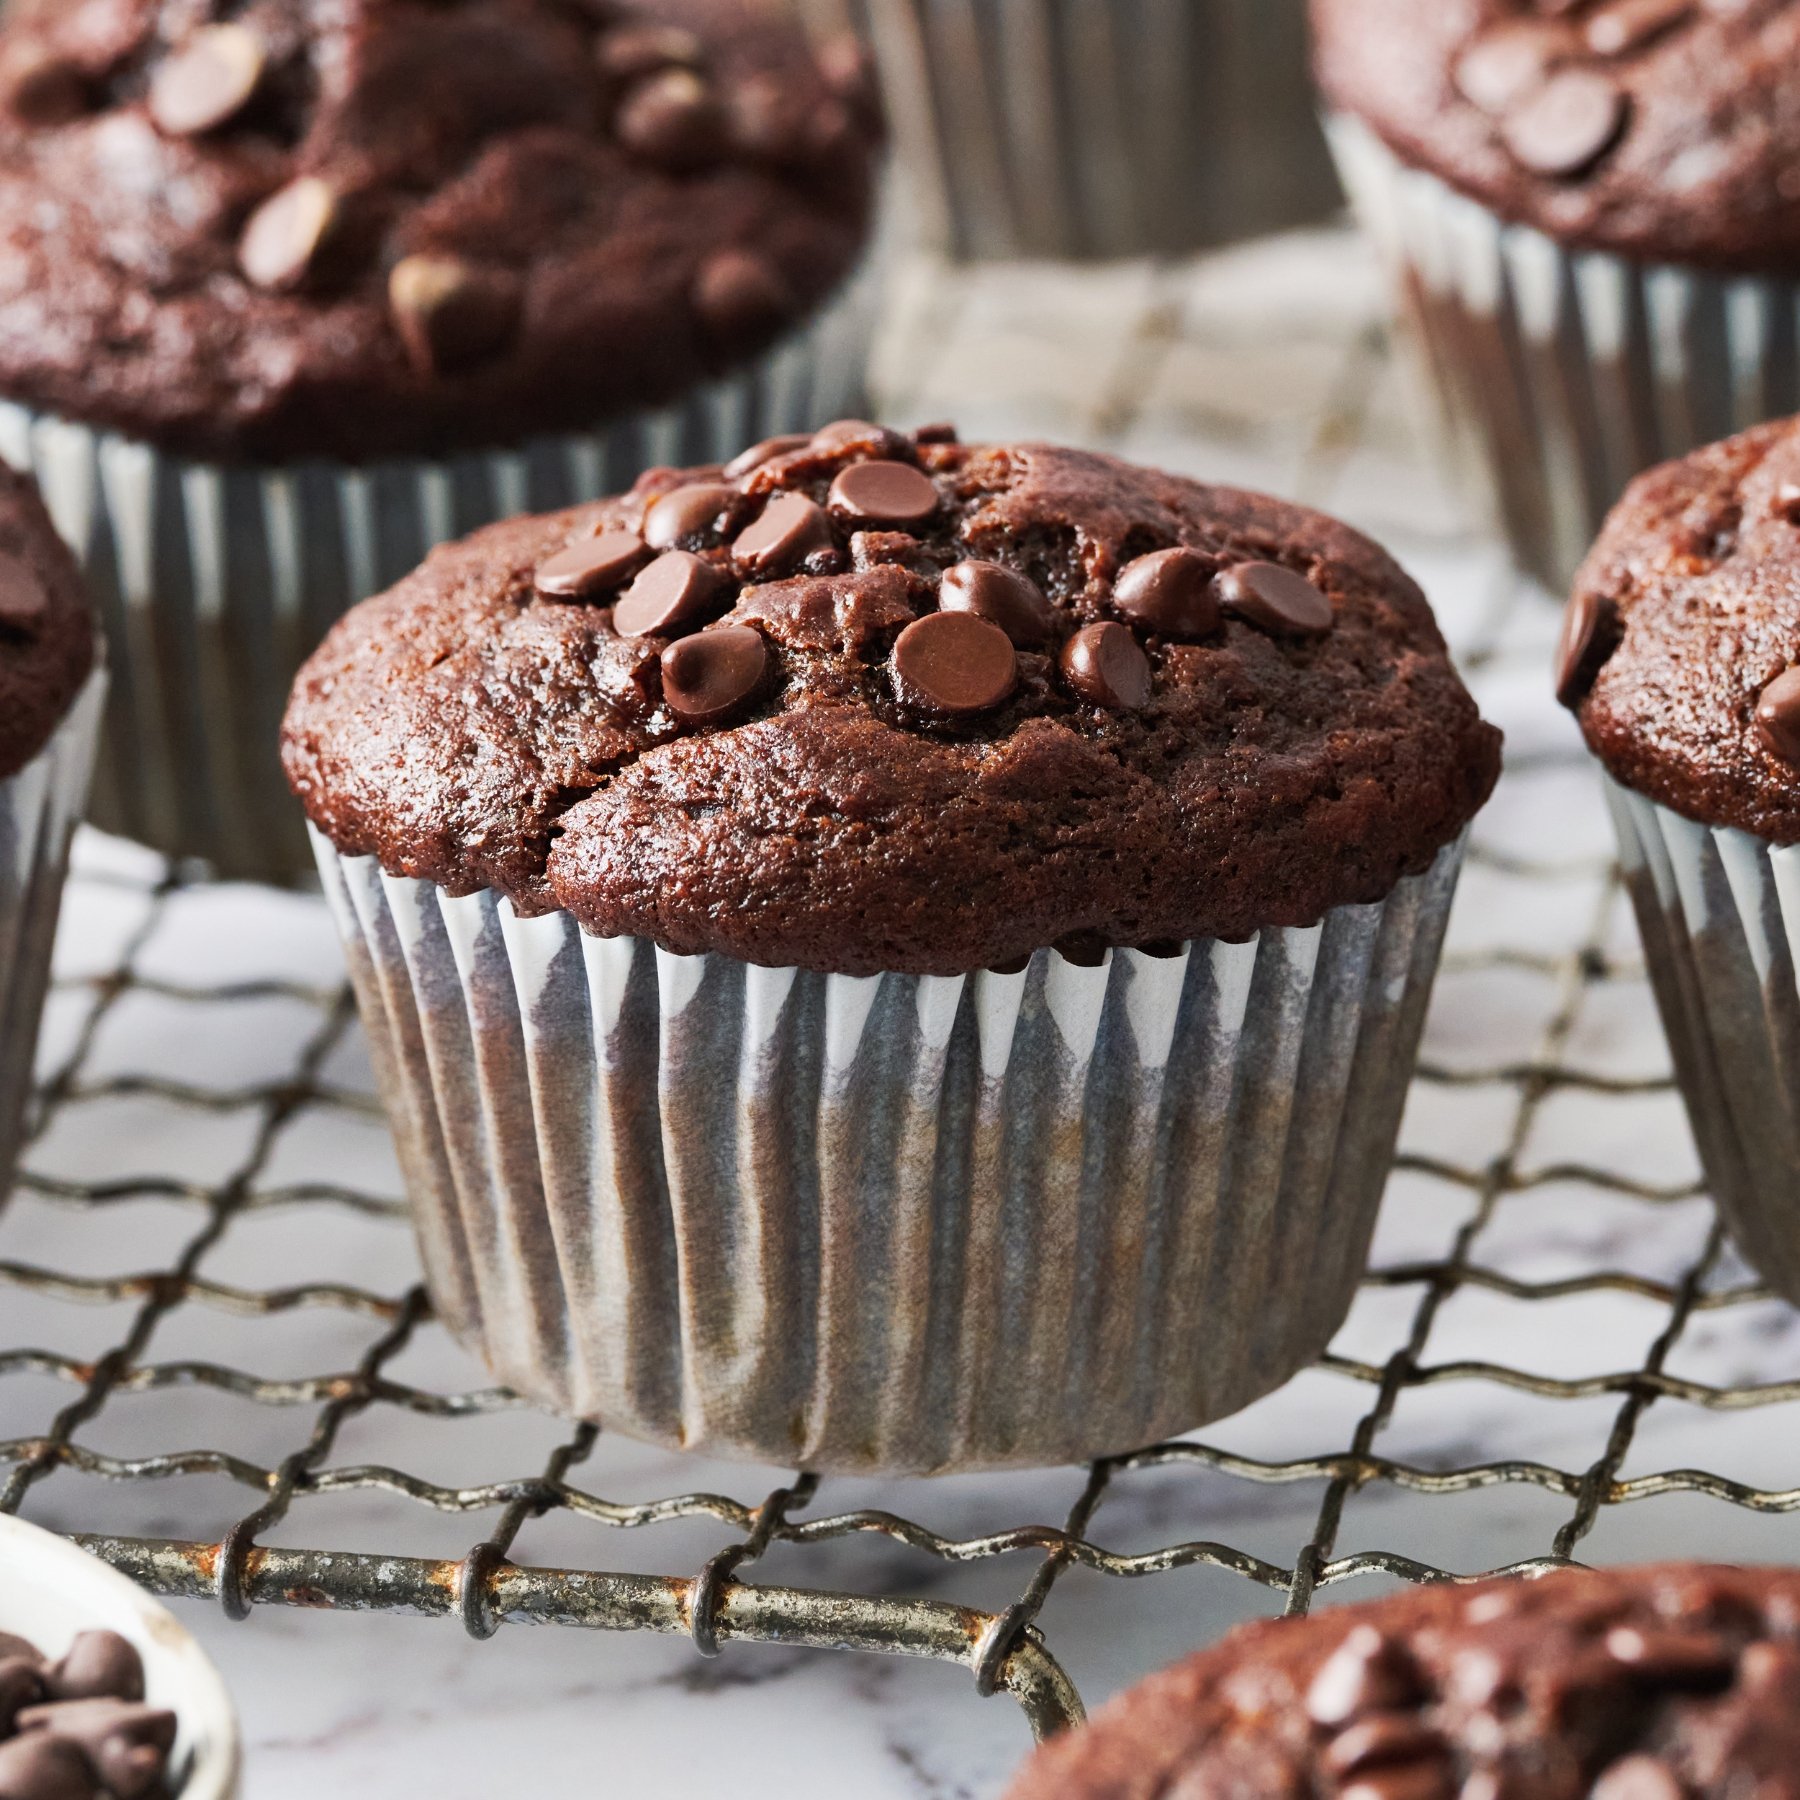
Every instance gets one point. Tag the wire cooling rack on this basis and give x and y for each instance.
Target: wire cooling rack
(217, 1369)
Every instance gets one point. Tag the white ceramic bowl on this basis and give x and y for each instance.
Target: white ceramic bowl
(50, 1590)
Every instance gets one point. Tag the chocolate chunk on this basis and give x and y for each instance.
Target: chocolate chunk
(672, 119)
(711, 675)
(1105, 664)
(1671, 1658)
(24, 600)
(874, 549)
(208, 81)
(1003, 597)
(595, 565)
(1274, 599)
(42, 1767)
(1626, 25)
(1366, 1673)
(1506, 63)
(42, 88)
(99, 1665)
(1170, 592)
(1568, 124)
(21, 1685)
(740, 297)
(1639, 1778)
(791, 529)
(449, 313)
(1778, 716)
(1590, 634)
(675, 593)
(885, 493)
(637, 50)
(701, 509)
(126, 1744)
(953, 664)
(286, 233)
(747, 461)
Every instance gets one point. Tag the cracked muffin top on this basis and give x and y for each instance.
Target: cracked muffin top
(1681, 646)
(47, 641)
(867, 701)
(1668, 1683)
(1664, 130)
(359, 228)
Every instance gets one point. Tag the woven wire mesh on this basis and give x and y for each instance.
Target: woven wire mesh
(1552, 1313)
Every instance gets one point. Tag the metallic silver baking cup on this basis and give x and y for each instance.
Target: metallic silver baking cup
(39, 809)
(1096, 128)
(215, 583)
(1563, 373)
(1719, 914)
(895, 1223)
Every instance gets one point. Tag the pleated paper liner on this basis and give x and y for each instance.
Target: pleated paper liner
(40, 807)
(1719, 913)
(215, 583)
(900, 1223)
(1560, 374)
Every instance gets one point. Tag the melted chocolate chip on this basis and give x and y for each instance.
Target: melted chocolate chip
(1671, 1658)
(791, 529)
(1566, 126)
(1382, 1740)
(24, 599)
(1274, 599)
(701, 509)
(207, 82)
(1623, 26)
(748, 461)
(1003, 597)
(41, 88)
(1418, 1781)
(1104, 664)
(1366, 1673)
(859, 434)
(740, 296)
(672, 119)
(1590, 634)
(1507, 62)
(637, 50)
(1169, 592)
(711, 675)
(884, 493)
(286, 233)
(677, 592)
(595, 565)
(450, 314)
(1639, 1778)
(954, 664)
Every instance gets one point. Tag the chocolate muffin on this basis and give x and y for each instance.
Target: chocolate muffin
(953, 922)
(348, 279)
(1588, 210)
(1678, 659)
(50, 698)
(1666, 1683)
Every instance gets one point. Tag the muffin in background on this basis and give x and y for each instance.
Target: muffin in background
(1678, 659)
(1590, 220)
(1657, 1683)
(51, 693)
(892, 955)
(291, 293)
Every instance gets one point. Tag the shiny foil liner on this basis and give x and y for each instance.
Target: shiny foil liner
(1096, 128)
(1719, 913)
(1563, 373)
(214, 583)
(40, 807)
(896, 1223)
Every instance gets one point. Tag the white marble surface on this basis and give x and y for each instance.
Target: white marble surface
(1263, 367)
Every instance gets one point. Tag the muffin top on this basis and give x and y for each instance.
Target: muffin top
(1664, 130)
(1632, 1684)
(47, 642)
(358, 228)
(871, 701)
(1682, 637)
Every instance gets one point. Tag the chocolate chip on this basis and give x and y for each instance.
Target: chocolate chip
(1778, 716)
(1590, 634)
(746, 461)
(671, 119)
(42, 88)
(1381, 1741)
(1170, 592)
(42, 1767)
(208, 81)
(1568, 124)
(675, 593)
(940, 433)
(1420, 1781)
(126, 1743)
(710, 675)
(99, 1665)
(449, 313)
(1002, 596)
(885, 493)
(1274, 599)
(22, 1648)
(1627, 25)
(1671, 1658)
(1366, 1673)
(701, 509)
(24, 599)
(1639, 1778)
(286, 233)
(740, 297)
(1504, 64)
(21, 1685)
(954, 664)
(859, 434)
(637, 50)
(1104, 664)
(791, 529)
(595, 565)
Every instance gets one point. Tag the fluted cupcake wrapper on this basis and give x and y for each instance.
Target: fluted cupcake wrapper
(893, 1223)
(1719, 914)
(1085, 128)
(215, 582)
(1560, 374)
(40, 807)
